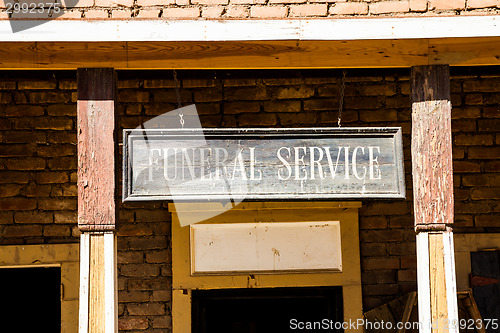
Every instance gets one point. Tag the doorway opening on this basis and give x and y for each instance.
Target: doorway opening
(31, 298)
(262, 310)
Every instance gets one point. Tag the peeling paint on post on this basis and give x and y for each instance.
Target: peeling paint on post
(96, 149)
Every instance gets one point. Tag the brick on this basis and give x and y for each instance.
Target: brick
(5, 98)
(22, 231)
(33, 217)
(304, 118)
(418, 5)
(373, 249)
(492, 112)
(51, 177)
(148, 13)
(474, 4)
(380, 263)
(398, 102)
(377, 90)
(33, 190)
(286, 1)
(268, 11)
(159, 257)
(114, 3)
(132, 323)
(485, 193)
(139, 270)
(57, 124)
(162, 322)
(63, 163)
(479, 85)
(282, 106)
(26, 163)
(374, 236)
(130, 95)
(160, 83)
(171, 96)
(380, 289)
(210, 2)
(24, 111)
(134, 230)
(56, 231)
(465, 112)
(156, 283)
(162, 295)
(134, 257)
(236, 12)
(378, 115)
(320, 104)
(473, 140)
(484, 153)
(488, 125)
(247, 2)
(379, 277)
(17, 204)
(5, 124)
(398, 249)
(349, 8)
(60, 110)
(308, 10)
(7, 85)
(207, 95)
(150, 309)
(57, 204)
(404, 221)
(212, 12)
(35, 85)
(466, 166)
(293, 92)
(487, 221)
(135, 296)
(7, 150)
(407, 275)
(472, 207)
(385, 7)
(48, 97)
(332, 117)
(250, 119)
(121, 13)
(6, 217)
(152, 216)
(362, 102)
(25, 137)
(150, 243)
(373, 222)
(491, 166)
(56, 150)
(447, 4)
(10, 190)
(181, 12)
(481, 180)
(474, 99)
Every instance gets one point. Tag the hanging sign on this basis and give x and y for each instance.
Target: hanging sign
(263, 164)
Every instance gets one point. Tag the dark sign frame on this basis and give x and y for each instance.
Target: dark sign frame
(241, 134)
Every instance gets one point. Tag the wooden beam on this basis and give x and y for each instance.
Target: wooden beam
(96, 149)
(433, 197)
(299, 29)
(251, 54)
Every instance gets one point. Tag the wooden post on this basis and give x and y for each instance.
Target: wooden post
(96, 200)
(431, 148)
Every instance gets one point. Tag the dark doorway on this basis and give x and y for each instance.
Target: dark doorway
(267, 310)
(31, 299)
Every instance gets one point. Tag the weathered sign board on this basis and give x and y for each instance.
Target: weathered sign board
(263, 164)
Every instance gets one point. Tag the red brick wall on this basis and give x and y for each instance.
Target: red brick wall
(38, 163)
(249, 9)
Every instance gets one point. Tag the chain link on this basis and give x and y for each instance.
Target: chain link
(341, 100)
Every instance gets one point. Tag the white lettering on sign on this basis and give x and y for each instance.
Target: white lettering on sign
(264, 164)
(308, 163)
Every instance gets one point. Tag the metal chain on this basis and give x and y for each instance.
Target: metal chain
(178, 95)
(341, 100)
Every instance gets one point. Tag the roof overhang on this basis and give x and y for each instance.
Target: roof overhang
(230, 44)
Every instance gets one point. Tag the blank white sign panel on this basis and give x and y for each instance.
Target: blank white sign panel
(265, 247)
